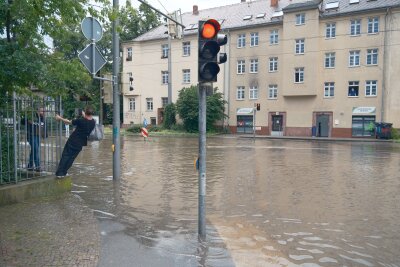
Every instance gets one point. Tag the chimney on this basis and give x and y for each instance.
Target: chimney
(274, 3)
(243, 1)
(195, 9)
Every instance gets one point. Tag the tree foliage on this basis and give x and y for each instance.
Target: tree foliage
(169, 116)
(187, 107)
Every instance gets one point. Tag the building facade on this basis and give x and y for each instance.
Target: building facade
(323, 68)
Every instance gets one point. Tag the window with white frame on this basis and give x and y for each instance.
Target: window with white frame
(254, 39)
(241, 41)
(253, 65)
(354, 87)
(299, 46)
(299, 75)
(372, 56)
(371, 88)
(241, 66)
(186, 49)
(330, 30)
(186, 75)
(373, 25)
(164, 77)
(330, 59)
(164, 51)
(164, 101)
(273, 64)
(132, 104)
(253, 92)
(300, 19)
(272, 91)
(274, 37)
(129, 54)
(240, 93)
(354, 58)
(329, 89)
(149, 104)
(355, 27)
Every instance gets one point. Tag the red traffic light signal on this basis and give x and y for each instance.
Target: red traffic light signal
(210, 42)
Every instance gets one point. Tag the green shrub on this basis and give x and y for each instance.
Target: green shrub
(169, 116)
(134, 129)
(395, 133)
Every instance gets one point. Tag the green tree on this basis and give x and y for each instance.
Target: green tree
(169, 116)
(187, 107)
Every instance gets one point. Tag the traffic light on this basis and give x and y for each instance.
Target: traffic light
(258, 106)
(210, 42)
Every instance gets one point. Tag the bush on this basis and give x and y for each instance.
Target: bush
(395, 134)
(169, 116)
(134, 129)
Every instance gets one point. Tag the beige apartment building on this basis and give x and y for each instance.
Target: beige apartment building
(323, 68)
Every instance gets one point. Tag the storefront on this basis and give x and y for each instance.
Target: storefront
(363, 122)
(244, 118)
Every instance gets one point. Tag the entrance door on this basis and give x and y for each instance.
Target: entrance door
(277, 125)
(322, 125)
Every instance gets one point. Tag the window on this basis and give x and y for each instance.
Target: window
(355, 27)
(164, 77)
(254, 39)
(247, 17)
(370, 88)
(299, 46)
(300, 19)
(372, 56)
(186, 49)
(299, 75)
(253, 92)
(153, 121)
(354, 58)
(186, 76)
(253, 65)
(274, 37)
(329, 89)
(164, 101)
(272, 91)
(354, 86)
(241, 67)
(361, 125)
(260, 15)
(240, 93)
(330, 60)
(373, 25)
(273, 64)
(129, 54)
(164, 51)
(330, 30)
(132, 104)
(149, 104)
(241, 42)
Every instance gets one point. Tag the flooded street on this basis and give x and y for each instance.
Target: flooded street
(269, 202)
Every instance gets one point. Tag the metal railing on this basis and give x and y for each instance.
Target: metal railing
(30, 137)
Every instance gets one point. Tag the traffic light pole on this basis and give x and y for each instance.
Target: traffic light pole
(202, 160)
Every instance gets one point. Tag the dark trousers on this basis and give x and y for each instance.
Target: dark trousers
(34, 156)
(67, 158)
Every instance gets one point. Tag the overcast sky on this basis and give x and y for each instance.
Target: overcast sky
(184, 5)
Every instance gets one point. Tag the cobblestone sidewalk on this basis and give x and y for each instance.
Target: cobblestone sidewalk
(49, 232)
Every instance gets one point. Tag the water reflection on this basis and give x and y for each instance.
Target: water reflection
(269, 202)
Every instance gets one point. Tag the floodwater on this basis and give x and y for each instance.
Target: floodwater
(268, 202)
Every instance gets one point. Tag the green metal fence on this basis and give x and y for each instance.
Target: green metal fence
(31, 139)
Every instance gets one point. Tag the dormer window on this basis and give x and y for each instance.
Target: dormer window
(248, 17)
(260, 16)
(331, 5)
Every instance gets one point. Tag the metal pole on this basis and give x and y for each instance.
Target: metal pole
(15, 135)
(169, 69)
(202, 160)
(101, 103)
(159, 12)
(254, 124)
(116, 108)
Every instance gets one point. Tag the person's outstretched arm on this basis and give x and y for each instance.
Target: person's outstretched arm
(59, 118)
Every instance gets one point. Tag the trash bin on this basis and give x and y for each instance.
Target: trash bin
(383, 130)
(314, 131)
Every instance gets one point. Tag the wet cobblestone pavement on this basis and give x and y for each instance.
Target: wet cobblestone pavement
(49, 232)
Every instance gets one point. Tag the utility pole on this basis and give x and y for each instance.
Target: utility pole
(116, 108)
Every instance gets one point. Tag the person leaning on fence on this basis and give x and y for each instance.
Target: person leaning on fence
(35, 130)
(77, 140)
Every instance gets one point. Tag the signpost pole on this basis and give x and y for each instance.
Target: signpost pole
(116, 101)
(202, 160)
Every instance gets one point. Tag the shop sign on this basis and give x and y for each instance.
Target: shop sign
(244, 111)
(364, 110)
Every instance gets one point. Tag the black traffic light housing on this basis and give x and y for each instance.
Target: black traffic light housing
(258, 106)
(209, 43)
